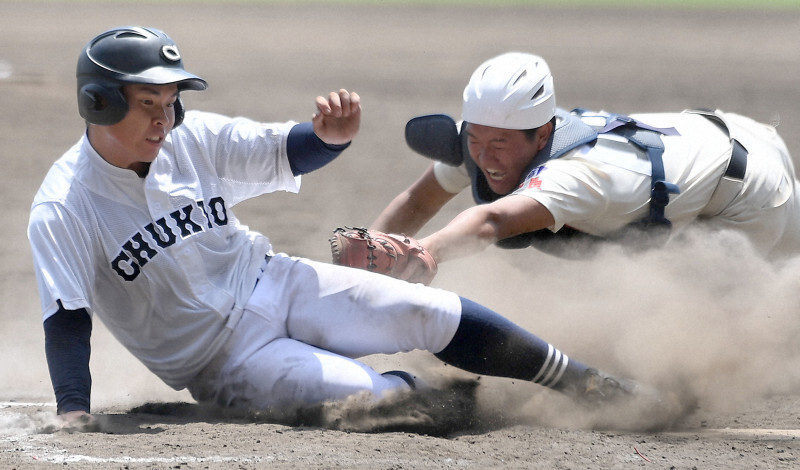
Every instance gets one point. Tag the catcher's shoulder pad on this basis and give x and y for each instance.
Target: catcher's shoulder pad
(435, 136)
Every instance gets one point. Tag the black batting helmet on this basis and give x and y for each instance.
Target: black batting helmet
(126, 55)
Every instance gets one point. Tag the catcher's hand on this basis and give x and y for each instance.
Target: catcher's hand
(398, 256)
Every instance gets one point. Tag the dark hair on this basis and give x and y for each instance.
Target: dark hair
(531, 133)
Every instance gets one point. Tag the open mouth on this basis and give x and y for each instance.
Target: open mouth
(495, 175)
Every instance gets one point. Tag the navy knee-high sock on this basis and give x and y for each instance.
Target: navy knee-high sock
(488, 344)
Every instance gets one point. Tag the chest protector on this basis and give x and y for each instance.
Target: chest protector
(437, 137)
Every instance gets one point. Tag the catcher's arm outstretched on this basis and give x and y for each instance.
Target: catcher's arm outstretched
(414, 207)
(468, 233)
(417, 260)
(476, 228)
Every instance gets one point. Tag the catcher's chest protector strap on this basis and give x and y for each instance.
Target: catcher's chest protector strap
(647, 138)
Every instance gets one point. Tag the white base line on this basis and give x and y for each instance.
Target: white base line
(16, 404)
(64, 459)
(751, 432)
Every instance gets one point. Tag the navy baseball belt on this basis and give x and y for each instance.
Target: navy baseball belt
(732, 180)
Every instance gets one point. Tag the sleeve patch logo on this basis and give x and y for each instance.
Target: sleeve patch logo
(532, 181)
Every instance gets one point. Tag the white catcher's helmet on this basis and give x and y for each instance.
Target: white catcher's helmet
(511, 91)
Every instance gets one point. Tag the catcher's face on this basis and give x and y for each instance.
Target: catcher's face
(135, 141)
(503, 154)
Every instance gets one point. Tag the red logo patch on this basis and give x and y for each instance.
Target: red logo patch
(531, 181)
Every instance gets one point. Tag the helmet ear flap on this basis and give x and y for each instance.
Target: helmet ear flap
(102, 104)
(179, 112)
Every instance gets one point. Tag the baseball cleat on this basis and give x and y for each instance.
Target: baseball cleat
(627, 404)
(599, 387)
(413, 381)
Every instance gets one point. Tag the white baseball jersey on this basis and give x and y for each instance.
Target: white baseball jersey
(600, 189)
(93, 228)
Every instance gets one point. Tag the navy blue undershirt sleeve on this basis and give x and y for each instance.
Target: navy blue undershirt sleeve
(67, 347)
(307, 152)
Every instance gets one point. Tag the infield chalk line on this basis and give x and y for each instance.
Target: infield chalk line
(64, 459)
(17, 404)
(742, 432)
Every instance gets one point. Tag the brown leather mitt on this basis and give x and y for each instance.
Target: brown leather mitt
(397, 256)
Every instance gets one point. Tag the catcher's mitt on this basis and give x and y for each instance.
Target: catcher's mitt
(398, 256)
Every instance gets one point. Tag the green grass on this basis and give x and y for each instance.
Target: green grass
(660, 4)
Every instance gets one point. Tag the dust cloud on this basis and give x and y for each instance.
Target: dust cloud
(706, 317)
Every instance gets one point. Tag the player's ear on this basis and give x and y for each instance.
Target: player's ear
(543, 135)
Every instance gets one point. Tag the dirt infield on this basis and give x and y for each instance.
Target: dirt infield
(709, 316)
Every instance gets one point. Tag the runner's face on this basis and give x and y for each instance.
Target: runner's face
(135, 141)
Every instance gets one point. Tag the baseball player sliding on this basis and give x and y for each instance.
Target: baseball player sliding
(561, 181)
(135, 224)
